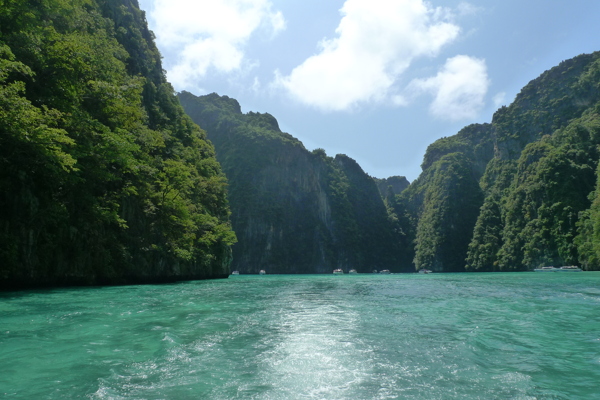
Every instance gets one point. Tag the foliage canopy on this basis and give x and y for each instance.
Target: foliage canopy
(103, 177)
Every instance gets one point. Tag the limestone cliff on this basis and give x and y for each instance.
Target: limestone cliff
(103, 178)
(508, 195)
(293, 211)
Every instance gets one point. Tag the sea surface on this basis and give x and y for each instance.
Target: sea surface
(364, 336)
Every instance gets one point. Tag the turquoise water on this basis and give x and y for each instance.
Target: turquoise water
(437, 336)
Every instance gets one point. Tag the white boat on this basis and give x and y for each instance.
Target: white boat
(570, 268)
(567, 268)
(384, 271)
(546, 269)
(338, 272)
(352, 271)
(262, 272)
(235, 273)
(424, 271)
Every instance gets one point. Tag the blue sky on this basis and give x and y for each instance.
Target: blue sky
(377, 80)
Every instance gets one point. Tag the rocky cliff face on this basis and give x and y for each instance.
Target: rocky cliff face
(103, 178)
(544, 105)
(397, 184)
(293, 211)
(507, 195)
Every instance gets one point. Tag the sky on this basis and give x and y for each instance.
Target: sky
(377, 80)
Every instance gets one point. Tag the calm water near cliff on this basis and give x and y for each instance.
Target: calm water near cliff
(438, 336)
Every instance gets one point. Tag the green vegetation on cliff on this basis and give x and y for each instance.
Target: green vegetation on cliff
(515, 194)
(294, 211)
(524, 186)
(103, 178)
(444, 201)
(544, 171)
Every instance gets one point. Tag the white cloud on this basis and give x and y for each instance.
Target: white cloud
(205, 34)
(376, 42)
(256, 85)
(459, 89)
(399, 100)
(499, 99)
(465, 9)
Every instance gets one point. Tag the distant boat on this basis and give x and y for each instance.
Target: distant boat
(262, 272)
(235, 273)
(352, 271)
(424, 271)
(374, 271)
(384, 271)
(570, 268)
(546, 269)
(338, 272)
(567, 268)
